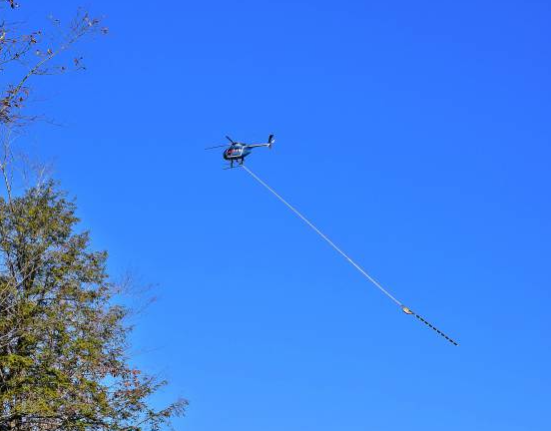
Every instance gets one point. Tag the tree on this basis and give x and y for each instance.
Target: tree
(63, 340)
(31, 54)
(62, 343)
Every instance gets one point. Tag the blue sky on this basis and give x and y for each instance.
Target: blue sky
(415, 134)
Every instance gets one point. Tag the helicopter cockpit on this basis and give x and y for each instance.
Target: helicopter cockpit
(234, 152)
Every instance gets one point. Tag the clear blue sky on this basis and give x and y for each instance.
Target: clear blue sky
(415, 134)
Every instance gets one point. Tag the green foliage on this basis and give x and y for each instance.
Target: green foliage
(62, 341)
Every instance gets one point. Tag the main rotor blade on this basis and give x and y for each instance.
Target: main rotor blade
(230, 139)
(217, 146)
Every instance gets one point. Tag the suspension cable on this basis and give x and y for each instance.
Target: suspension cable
(348, 258)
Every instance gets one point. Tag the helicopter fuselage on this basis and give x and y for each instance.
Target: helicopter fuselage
(236, 152)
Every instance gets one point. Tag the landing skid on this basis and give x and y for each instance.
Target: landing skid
(237, 163)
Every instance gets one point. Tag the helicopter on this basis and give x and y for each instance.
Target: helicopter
(237, 151)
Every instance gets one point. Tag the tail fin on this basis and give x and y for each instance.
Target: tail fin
(271, 140)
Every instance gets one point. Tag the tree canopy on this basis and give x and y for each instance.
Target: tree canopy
(62, 342)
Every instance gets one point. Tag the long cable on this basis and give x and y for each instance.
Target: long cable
(348, 258)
